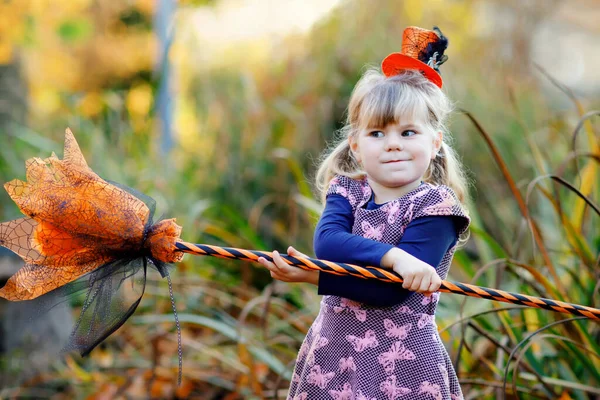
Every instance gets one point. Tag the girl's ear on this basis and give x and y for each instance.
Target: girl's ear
(353, 143)
(438, 140)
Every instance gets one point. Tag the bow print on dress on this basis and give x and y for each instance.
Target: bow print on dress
(404, 310)
(393, 211)
(361, 396)
(434, 298)
(444, 372)
(393, 330)
(360, 344)
(370, 232)
(397, 352)
(350, 305)
(303, 349)
(318, 378)
(366, 191)
(432, 389)
(389, 388)
(344, 394)
(409, 211)
(444, 207)
(318, 324)
(317, 343)
(347, 364)
(426, 319)
(342, 191)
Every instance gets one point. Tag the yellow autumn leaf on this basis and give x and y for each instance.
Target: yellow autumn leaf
(6, 52)
(139, 100)
(91, 104)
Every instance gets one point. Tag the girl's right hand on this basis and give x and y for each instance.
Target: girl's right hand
(418, 276)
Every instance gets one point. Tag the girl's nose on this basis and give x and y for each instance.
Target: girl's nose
(393, 143)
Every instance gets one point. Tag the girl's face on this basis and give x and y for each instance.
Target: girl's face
(396, 156)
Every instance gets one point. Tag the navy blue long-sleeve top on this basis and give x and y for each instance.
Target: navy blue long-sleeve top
(426, 238)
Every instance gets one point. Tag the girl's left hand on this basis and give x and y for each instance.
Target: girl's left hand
(282, 271)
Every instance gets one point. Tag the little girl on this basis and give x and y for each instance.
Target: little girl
(393, 192)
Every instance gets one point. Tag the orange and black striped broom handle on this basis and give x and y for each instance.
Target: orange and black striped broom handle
(390, 276)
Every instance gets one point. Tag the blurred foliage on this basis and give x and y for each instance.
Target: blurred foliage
(71, 54)
(250, 125)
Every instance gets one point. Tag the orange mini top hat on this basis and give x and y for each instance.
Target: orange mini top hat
(422, 50)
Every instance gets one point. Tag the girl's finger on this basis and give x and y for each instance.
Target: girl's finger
(434, 286)
(263, 261)
(285, 266)
(282, 266)
(295, 253)
(279, 263)
(279, 272)
(416, 283)
(424, 286)
(266, 263)
(408, 280)
(281, 278)
(430, 290)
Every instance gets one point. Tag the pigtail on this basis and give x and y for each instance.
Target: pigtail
(339, 160)
(446, 169)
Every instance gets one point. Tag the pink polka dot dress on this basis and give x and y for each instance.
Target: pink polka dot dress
(357, 352)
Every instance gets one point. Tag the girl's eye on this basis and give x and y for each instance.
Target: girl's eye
(409, 133)
(376, 134)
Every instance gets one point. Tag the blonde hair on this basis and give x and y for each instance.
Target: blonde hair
(377, 101)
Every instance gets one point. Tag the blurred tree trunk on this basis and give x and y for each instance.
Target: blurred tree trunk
(13, 112)
(13, 107)
(29, 339)
(164, 104)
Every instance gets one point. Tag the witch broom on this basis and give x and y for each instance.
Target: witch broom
(81, 233)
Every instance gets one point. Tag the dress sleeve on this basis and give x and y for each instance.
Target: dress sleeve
(442, 201)
(348, 188)
(427, 238)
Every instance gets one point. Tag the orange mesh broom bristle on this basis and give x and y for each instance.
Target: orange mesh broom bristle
(85, 233)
